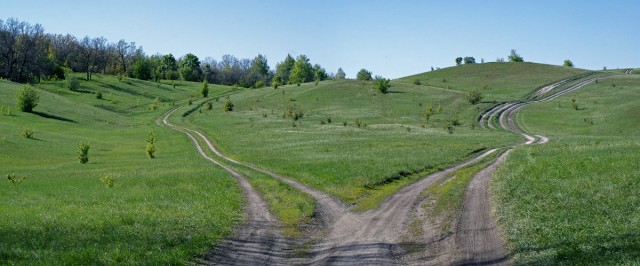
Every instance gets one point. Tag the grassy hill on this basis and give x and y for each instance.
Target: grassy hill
(574, 200)
(160, 211)
(498, 81)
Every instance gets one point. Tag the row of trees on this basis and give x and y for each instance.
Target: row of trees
(513, 57)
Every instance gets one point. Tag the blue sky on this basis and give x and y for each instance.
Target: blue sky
(390, 38)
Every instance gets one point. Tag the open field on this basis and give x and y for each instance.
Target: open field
(574, 200)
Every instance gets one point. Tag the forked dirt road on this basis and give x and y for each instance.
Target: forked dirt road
(382, 236)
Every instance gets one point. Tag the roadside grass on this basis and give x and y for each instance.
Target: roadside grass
(574, 200)
(349, 161)
(503, 81)
(168, 210)
(446, 196)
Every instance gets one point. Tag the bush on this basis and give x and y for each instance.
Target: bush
(417, 82)
(83, 152)
(515, 57)
(107, 181)
(209, 106)
(15, 180)
(228, 106)
(73, 83)
(293, 112)
(363, 74)
(99, 95)
(27, 99)
(259, 84)
(568, 63)
(474, 96)
(151, 145)
(27, 133)
(204, 90)
(382, 85)
(574, 104)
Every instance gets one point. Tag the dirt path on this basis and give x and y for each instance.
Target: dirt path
(258, 241)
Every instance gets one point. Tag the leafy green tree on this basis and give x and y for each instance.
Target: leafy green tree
(340, 74)
(151, 145)
(204, 89)
(515, 57)
(27, 99)
(142, 69)
(469, 60)
(259, 71)
(73, 83)
(189, 68)
(168, 67)
(474, 96)
(277, 81)
(284, 68)
(568, 63)
(302, 71)
(83, 152)
(228, 106)
(458, 61)
(363, 74)
(381, 84)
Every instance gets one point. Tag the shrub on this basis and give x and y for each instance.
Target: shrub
(27, 133)
(228, 106)
(293, 112)
(204, 89)
(153, 105)
(151, 145)
(474, 96)
(363, 74)
(209, 106)
(73, 83)
(107, 181)
(574, 104)
(382, 85)
(259, 84)
(83, 152)
(99, 95)
(568, 63)
(515, 57)
(27, 99)
(15, 180)
(5, 110)
(417, 82)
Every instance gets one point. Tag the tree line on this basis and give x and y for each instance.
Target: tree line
(28, 54)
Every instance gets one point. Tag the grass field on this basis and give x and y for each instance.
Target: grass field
(503, 81)
(168, 210)
(574, 200)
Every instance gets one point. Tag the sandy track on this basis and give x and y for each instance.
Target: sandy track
(258, 241)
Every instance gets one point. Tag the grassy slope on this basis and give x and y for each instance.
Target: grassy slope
(360, 165)
(504, 81)
(165, 210)
(575, 200)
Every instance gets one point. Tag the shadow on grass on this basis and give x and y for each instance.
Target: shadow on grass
(49, 116)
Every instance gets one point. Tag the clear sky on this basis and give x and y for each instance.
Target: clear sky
(390, 38)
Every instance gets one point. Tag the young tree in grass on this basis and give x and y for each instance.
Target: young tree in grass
(204, 89)
(228, 106)
(340, 74)
(83, 152)
(568, 63)
(73, 83)
(381, 84)
(302, 71)
(151, 145)
(283, 69)
(515, 57)
(277, 81)
(474, 96)
(27, 99)
(363, 74)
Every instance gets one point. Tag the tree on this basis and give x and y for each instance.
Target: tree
(363, 74)
(83, 152)
(568, 63)
(73, 83)
(277, 81)
(469, 60)
(319, 73)
(190, 68)
(302, 71)
(27, 99)
(381, 84)
(284, 68)
(124, 53)
(474, 96)
(259, 71)
(204, 90)
(151, 145)
(340, 74)
(142, 69)
(514, 57)
(458, 61)
(168, 67)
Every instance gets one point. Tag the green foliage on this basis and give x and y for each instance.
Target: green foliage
(154, 105)
(151, 145)
(204, 89)
(107, 181)
(428, 113)
(574, 104)
(417, 82)
(73, 83)
(363, 74)
(27, 99)
(458, 61)
(515, 57)
(99, 95)
(228, 106)
(283, 69)
(83, 152)
(15, 180)
(293, 112)
(469, 60)
(319, 73)
(209, 106)
(340, 75)
(5, 110)
(474, 96)
(189, 68)
(568, 63)
(381, 84)
(302, 71)
(27, 133)
(142, 69)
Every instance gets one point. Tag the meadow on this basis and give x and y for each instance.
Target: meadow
(574, 200)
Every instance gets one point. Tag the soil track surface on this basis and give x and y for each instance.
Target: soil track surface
(385, 235)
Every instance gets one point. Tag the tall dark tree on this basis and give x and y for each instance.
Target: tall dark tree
(340, 74)
(319, 73)
(458, 61)
(469, 60)
(259, 71)
(283, 69)
(124, 53)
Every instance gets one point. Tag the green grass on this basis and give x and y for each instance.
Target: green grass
(503, 81)
(361, 165)
(168, 210)
(574, 201)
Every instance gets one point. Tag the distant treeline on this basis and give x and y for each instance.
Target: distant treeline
(28, 54)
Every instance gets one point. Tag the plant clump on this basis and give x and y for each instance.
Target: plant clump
(83, 152)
